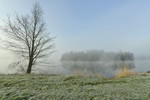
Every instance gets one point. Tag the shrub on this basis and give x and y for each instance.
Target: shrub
(148, 72)
(124, 72)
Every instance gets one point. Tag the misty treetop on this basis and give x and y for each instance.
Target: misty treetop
(97, 60)
(97, 55)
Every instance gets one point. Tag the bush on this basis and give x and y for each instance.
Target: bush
(124, 72)
(148, 72)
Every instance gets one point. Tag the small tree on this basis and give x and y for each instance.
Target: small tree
(28, 36)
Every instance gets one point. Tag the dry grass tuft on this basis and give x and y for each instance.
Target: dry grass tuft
(80, 73)
(148, 72)
(124, 72)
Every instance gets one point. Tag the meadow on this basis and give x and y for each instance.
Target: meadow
(74, 87)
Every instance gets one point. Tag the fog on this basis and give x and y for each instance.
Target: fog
(6, 58)
(105, 68)
(85, 25)
(142, 65)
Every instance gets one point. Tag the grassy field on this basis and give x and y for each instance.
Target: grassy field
(50, 87)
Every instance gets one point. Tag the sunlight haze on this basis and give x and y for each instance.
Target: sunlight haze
(80, 25)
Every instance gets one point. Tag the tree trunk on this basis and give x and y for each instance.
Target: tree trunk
(29, 67)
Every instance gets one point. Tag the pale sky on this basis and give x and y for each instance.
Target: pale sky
(111, 25)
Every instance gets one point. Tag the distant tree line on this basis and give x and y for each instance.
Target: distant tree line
(97, 60)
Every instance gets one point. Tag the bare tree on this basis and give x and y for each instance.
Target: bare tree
(28, 36)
